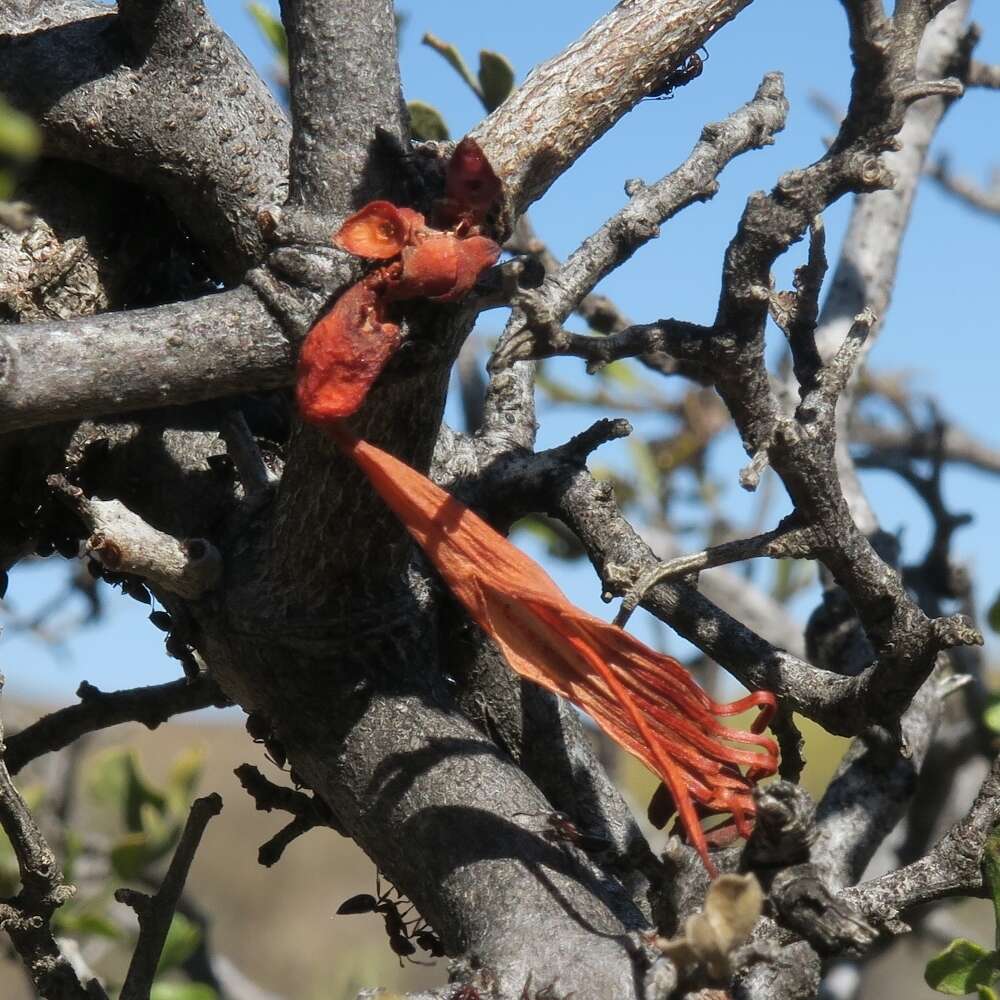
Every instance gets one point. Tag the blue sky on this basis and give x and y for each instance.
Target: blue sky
(942, 327)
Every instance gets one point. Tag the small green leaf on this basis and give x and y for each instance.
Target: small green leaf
(183, 937)
(987, 993)
(991, 715)
(138, 850)
(86, 924)
(496, 79)
(19, 136)
(426, 122)
(185, 772)
(961, 968)
(115, 780)
(622, 374)
(271, 27)
(182, 991)
(454, 59)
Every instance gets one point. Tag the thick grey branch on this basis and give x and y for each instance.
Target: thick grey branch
(335, 113)
(209, 347)
(170, 103)
(569, 102)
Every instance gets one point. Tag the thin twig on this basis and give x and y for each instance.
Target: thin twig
(156, 912)
(97, 710)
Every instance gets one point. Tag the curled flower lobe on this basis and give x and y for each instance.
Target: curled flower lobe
(343, 354)
(379, 231)
(645, 701)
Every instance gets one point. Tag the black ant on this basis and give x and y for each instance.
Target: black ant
(688, 70)
(402, 932)
(259, 730)
(559, 827)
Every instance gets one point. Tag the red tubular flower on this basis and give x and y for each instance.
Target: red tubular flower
(645, 701)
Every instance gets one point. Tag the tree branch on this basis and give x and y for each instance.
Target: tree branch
(143, 103)
(335, 114)
(952, 868)
(26, 918)
(116, 362)
(102, 709)
(570, 101)
(751, 127)
(156, 912)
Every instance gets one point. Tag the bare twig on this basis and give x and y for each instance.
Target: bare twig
(156, 912)
(124, 543)
(983, 199)
(100, 709)
(782, 543)
(983, 75)
(242, 448)
(952, 868)
(751, 127)
(26, 918)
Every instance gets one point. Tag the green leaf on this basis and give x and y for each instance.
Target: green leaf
(19, 136)
(115, 780)
(137, 851)
(85, 924)
(961, 968)
(185, 773)
(453, 57)
(183, 937)
(271, 27)
(622, 374)
(991, 868)
(182, 991)
(991, 715)
(987, 993)
(496, 79)
(426, 122)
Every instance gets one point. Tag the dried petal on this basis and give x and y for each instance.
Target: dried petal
(470, 182)
(474, 255)
(430, 269)
(343, 354)
(378, 231)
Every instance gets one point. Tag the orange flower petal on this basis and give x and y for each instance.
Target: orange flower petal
(646, 701)
(473, 256)
(430, 269)
(378, 231)
(343, 354)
